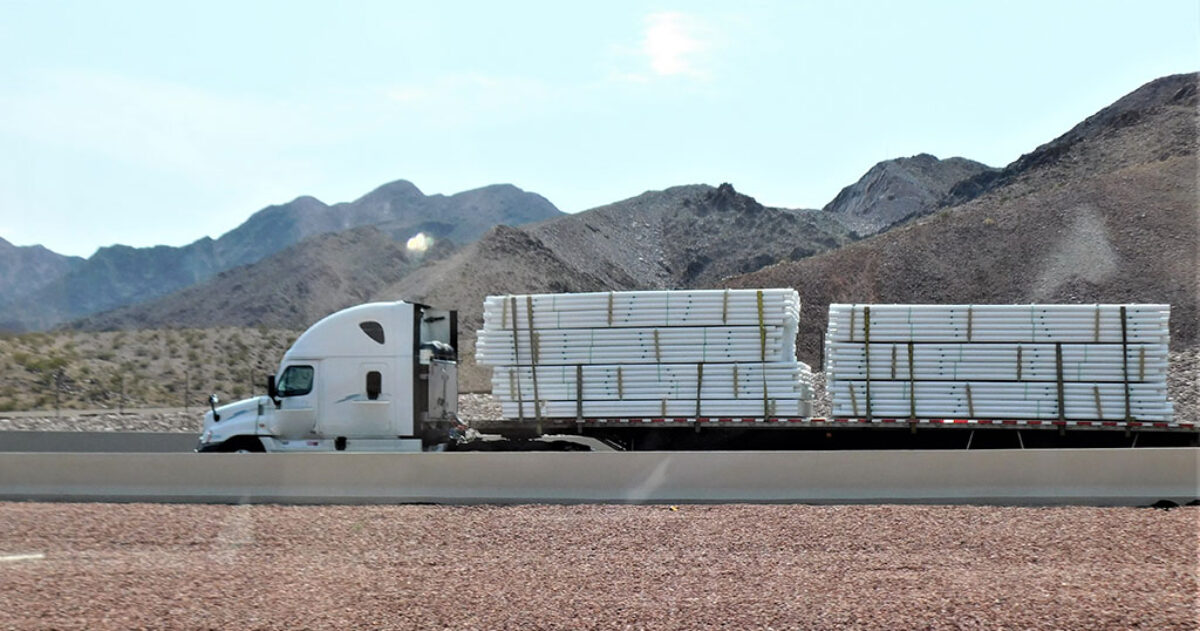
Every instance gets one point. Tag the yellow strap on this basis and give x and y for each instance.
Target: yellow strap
(657, 348)
(1099, 409)
(610, 308)
(912, 384)
(762, 352)
(762, 330)
(735, 381)
(1058, 369)
(533, 350)
(867, 351)
(578, 392)
(515, 388)
(970, 403)
(1125, 361)
(517, 356)
(764, 387)
(620, 384)
(725, 308)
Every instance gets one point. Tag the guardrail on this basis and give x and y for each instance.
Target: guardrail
(1038, 477)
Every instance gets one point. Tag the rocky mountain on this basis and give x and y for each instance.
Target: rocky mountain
(687, 236)
(26, 269)
(398, 208)
(120, 275)
(289, 289)
(1104, 213)
(895, 191)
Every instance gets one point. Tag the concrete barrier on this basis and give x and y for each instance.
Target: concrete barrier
(1038, 477)
(98, 442)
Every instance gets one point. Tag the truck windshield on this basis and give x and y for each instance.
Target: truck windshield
(296, 380)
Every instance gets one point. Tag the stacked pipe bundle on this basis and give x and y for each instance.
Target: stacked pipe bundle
(638, 354)
(1066, 362)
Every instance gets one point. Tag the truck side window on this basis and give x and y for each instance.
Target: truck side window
(296, 381)
(373, 329)
(374, 384)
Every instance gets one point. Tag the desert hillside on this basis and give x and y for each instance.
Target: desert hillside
(76, 370)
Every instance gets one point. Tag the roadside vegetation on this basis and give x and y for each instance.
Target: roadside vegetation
(136, 369)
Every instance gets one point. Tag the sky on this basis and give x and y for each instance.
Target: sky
(147, 123)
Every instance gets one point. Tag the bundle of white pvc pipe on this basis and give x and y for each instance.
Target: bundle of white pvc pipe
(666, 344)
(641, 309)
(1002, 361)
(646, 354)
(999, 323)
(1079, 362)
(778, 380)
(675, 408)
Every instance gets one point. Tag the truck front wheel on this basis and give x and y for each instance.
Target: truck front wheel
(243, 445)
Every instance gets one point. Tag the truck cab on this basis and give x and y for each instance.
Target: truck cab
(375, 377)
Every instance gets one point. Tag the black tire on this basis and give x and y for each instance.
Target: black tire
(243, 444)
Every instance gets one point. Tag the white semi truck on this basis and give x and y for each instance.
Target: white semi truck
(376, 377)
(382, 377)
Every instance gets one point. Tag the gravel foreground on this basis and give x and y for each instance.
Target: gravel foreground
(133, 566)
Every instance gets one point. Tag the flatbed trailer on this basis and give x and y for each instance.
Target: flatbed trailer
(850, 433)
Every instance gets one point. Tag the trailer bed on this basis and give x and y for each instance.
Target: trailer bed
(823, 423)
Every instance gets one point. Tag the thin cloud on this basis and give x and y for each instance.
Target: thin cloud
(673, 44)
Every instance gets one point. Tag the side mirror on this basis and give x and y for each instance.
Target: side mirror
(273, 390)
(212, 403)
